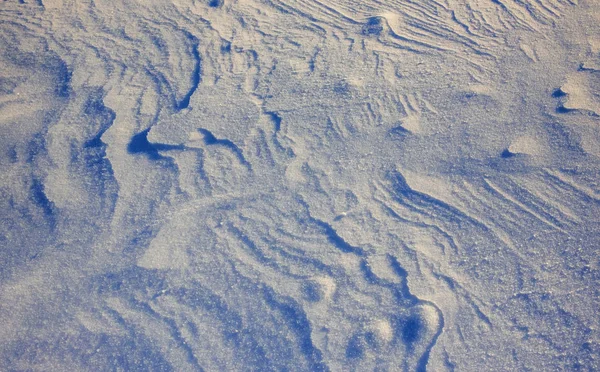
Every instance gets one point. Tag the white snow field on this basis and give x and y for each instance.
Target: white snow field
(300, 185)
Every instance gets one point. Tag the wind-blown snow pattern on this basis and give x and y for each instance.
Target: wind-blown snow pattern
(300, 185)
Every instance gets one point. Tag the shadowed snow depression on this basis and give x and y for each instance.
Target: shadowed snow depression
(300, 185)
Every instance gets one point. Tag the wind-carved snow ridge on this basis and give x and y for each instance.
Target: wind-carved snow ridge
(299, 185)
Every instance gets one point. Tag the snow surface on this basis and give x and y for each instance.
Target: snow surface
(300, 185)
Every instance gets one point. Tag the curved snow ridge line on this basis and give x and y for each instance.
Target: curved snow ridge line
(411, 331)
(424, 360)
(196, 76)
(139, 144)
